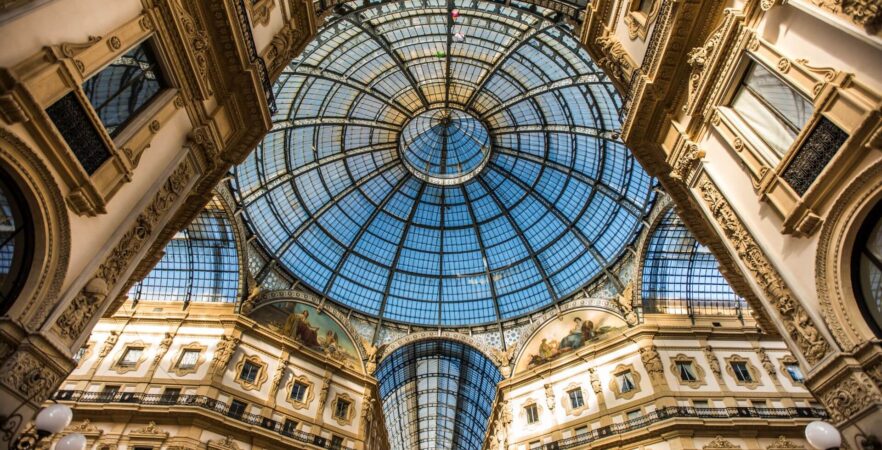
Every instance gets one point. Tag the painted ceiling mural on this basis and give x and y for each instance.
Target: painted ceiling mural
(315, 330)
(566, 334)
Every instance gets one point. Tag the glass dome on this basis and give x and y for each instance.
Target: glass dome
(444, 171)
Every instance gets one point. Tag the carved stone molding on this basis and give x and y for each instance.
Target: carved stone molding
(198, 48)
(794, 318)
(84, 306)
(718, 443)
(32, 378)
(782, 443)
(616, 60)
(849, 395)
(840, 310)
(261, 11)
(50, 217)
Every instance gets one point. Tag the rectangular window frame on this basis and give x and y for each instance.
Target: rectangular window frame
(532, 413)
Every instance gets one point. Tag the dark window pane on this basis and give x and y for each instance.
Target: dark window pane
(84, 140)
(16, 240)
(820, 146)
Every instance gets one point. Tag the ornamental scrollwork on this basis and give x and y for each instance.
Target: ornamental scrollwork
(74, 320)
(794, 317)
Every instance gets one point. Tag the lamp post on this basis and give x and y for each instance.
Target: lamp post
(822, 436)
(51, 420)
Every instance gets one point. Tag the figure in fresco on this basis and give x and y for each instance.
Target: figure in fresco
(297, 326)
(581, 332)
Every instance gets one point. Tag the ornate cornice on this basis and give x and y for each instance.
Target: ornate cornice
(800, 327)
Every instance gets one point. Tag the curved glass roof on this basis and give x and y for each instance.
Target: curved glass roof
(437, 394)
(378, 188)
(200, 264)
(681, 276)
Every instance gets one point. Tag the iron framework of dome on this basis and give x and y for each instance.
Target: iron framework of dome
(426, 180)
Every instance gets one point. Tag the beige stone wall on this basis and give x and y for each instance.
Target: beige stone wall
(163, 330)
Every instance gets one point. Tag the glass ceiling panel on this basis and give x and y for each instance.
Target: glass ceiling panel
(681, 276)
(439, 181)
(437, 395)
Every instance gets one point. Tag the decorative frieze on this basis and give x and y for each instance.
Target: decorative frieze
(793, 316)
(84, 307)
(849, 395)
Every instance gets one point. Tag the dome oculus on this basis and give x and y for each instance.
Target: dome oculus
(460, 190)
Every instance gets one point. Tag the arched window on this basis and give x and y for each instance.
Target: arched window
(16, 241)
(680, 276)
(437, 393)
(866, 269)
(200, 263)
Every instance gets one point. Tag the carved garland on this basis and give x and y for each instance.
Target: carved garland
(74, 320)
(795, 319)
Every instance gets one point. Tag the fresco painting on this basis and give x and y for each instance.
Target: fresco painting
(314, 330)
(568, 333)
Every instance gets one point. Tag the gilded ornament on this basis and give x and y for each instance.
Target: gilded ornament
(783, 443)
(783, 65)
(114, 43)
(145, 22)
(738, 144)
(720, 443)
(154, 126)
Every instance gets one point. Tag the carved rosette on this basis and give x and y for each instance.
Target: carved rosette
(793, 316)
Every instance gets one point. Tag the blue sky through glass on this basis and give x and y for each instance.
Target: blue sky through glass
(329, 194)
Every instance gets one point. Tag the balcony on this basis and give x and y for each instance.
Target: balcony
(685, 412)
(196, 401)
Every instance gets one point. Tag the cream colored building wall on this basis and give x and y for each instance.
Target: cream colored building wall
(206, 329)
(672, 338)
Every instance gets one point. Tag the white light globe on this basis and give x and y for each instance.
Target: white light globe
(822, 436)
(54, 418)
(73, 441)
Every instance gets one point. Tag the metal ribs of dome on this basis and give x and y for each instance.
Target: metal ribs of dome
(329, 196)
